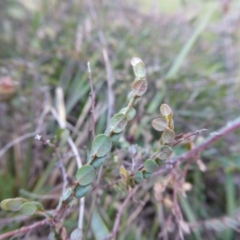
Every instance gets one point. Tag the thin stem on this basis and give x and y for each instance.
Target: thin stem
(120, 212)
(192, 154)
(92, 94)
(27, 135)
(188, 136)
(26, 229)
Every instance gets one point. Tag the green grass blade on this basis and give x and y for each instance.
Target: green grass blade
(98, 226)
(190, 215)
(155, 103)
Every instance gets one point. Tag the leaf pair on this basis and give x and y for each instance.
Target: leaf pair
(165, 124)
(21, 205)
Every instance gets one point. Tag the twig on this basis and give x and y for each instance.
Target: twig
(218, 224)
(70, 141)
(188, 136)
(110, 77)
(26, 229)
(27, 135)
(135, 214)
(60, 163)
(92, 94)
(120, 212)
(192, 154)
(79, 164)
(6, 221)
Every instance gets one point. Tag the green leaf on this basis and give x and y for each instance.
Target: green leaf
(85, 175)
(159, 161)
(159, 124)
(67, 193)
(38, 205)
(138, 176)
(150, 166)
(98, 226)
(118, 122)
(165, 110)
(130, 114)
(135, 61)
(115, 136)
(76, 234)
(28, 208)
(138, 67)
(165, 152)
(171, 124)
(130, 96)
(123, 173)
(97, 162)
(101, 145)
(81, 191)
(167, 137)
(139, 87)
(60, 202)
(12, 204)
(146, 175)
(131, 182)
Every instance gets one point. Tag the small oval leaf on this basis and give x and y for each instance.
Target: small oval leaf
(138, 176)
(85, 175)
(165, 152)
(81, 191)
(76, 234)
(123, 173)
(97, 162)
(146, 175)
(118, 122)
(150, 166)
(115, 136)
(159, 124)
(139, 87)
(135, 61)
(139, 70)
(28, 208)
(167, 137)
(67, 193)
(101, 145)
(38, 205)
(136, 100)
(165, 110)
(13, 204)
(128, 112)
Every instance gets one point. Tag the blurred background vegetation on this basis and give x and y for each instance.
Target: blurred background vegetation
(191, 50)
